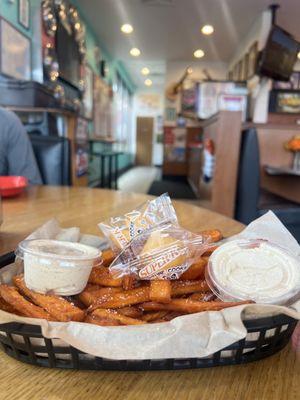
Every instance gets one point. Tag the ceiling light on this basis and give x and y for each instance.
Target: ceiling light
(198, 53)
(135, 52)
(298, 55)
(126, 28)
(145, 71)
(189, 70)
(207, 29)
(148, 82)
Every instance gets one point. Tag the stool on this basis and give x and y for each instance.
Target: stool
(112, 157)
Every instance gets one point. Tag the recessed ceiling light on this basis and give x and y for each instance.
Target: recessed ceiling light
(189, 70)
(126, 28)
(145, 71)
(135, 52)
(148, 82)
(207, 29)
(298, 55)
(198, 53)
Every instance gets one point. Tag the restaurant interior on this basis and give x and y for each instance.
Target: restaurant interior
(106, 104)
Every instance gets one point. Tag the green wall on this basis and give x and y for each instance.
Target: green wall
(10, 12)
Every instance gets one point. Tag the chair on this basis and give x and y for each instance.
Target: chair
(251, 201)
(52, 154)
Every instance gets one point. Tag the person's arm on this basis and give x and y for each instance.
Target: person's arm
(20, 156)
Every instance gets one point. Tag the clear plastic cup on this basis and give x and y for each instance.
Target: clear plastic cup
(254, 270)
(55, 267)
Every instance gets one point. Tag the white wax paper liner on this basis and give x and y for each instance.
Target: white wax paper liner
(195, 335)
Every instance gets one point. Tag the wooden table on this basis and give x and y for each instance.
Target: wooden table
(275, 378)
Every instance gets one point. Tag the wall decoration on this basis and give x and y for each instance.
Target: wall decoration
(170, 114)
(288, 102)
(102, 108)
(240, 70)
(81, 160)
(15, 52)
(24, 13)
(235, 72)
(49, 17)
(82, 131)
(252, 60)
(174, 144)
(88, 92)
(246, 66)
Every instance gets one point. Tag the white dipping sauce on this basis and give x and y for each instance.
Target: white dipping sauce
(62, 268)
(259, 271)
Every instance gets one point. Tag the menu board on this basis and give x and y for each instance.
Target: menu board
(102, 108)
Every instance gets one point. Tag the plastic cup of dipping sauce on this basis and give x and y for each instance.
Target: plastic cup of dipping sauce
(55, 267)
(254, 270)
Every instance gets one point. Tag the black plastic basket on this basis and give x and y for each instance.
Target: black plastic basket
(24, 342)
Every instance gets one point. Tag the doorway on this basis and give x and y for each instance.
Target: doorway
(144, 140)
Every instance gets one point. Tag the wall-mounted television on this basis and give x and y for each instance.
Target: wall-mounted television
(68, 56)
(278, 58)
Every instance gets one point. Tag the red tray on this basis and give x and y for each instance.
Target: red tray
(11, 186)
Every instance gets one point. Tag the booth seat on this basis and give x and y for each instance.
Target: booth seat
(251, 201)
(52, 154)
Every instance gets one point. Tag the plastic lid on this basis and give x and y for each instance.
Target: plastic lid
(57, 250)
(253, 270)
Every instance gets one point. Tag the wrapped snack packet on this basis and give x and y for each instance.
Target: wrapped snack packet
(163, 252)
(121, 230)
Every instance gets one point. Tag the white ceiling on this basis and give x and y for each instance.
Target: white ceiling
(169, 30)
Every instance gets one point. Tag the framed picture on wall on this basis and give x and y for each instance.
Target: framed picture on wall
(24, 13)
(235, 72)
(246, 63)
(239, 71)
(15, 52)
(252, 60)
(88, 101)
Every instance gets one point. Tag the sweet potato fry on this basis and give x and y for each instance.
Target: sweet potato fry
(107, 257)
(168, 317)
(101, 321)
(16, 300)
(210, 251)
(4, 306)
(153, 316)
(160, 291)
(188, 306)
(195, 271)
(122, 299)
(187, 287)
(90, 287)
(208, 296)
(212, 235)
(87, 297)
(128, 282)
(101, 276)
(130, 311)
(56, 306)
(114, 315)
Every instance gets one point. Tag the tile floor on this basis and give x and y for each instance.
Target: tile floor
(139, 179)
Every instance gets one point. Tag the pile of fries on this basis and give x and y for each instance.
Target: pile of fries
(108, 301)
